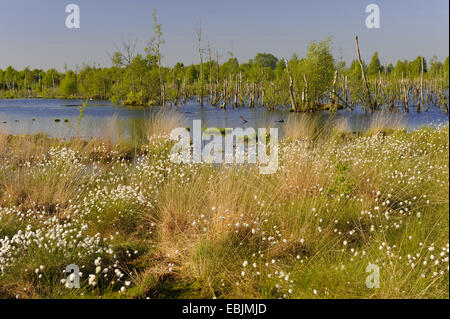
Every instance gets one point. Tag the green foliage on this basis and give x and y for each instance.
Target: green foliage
(266, 60)
(446, 66)
(343, 183)
(94, 82)
(436, 67)
(141, 79)
(229, 67)
(415, 67)
(68, 86)
(374, 66)
(319, 69)
(446, 72)
(401, 68)
(51, 79)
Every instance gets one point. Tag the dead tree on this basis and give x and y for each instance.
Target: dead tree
(291, 94)
(210, 72)
(421, 88)
(366, 85)
(198, 32)
(306, 90)
(443, 101)
(333, 102)
(346, 89)
(405, 94)
(224, 103)
(236, 93)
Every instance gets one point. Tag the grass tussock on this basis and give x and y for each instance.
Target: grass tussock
(163, 122)
(140, 225)
(383, 121)
(301, 127)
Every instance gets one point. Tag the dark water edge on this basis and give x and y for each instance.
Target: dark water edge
(61, 118)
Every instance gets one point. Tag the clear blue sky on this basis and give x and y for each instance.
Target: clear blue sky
(33, 32)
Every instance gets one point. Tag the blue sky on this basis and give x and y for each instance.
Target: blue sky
(33, 33)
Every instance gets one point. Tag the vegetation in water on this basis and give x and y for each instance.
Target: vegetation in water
(317, 81)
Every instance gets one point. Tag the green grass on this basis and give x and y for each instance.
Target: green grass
(338, 202)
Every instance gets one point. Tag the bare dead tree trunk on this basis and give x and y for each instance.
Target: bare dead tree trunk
(252, 95)
(236, 94)
(210, 72)
(369, 100)
(443, 101)
(333, 102)
(421, 88)
(240, 95)
(224, 103)
(163, 94)
(198, 32)
(303, 98)
(306, 90)
(405, 94)
(184, 90)
(291, 94)
(346, 90)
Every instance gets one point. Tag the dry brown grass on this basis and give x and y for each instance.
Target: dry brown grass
(385, 121)
(302, 174)
(163, 122)
(341, 125)
(27, 185)
(3, 143)
(37, 189)
(18, 289)
(301, 126)
(24, 148)
(213, 194)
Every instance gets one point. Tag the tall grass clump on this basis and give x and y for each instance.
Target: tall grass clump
(301, 126)
(384, 121)
(163, 122)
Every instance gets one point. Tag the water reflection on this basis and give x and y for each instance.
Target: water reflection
(61, 118)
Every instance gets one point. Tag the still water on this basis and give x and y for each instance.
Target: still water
(61, 118)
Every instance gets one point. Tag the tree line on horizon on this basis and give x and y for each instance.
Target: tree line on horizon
(316, 81)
